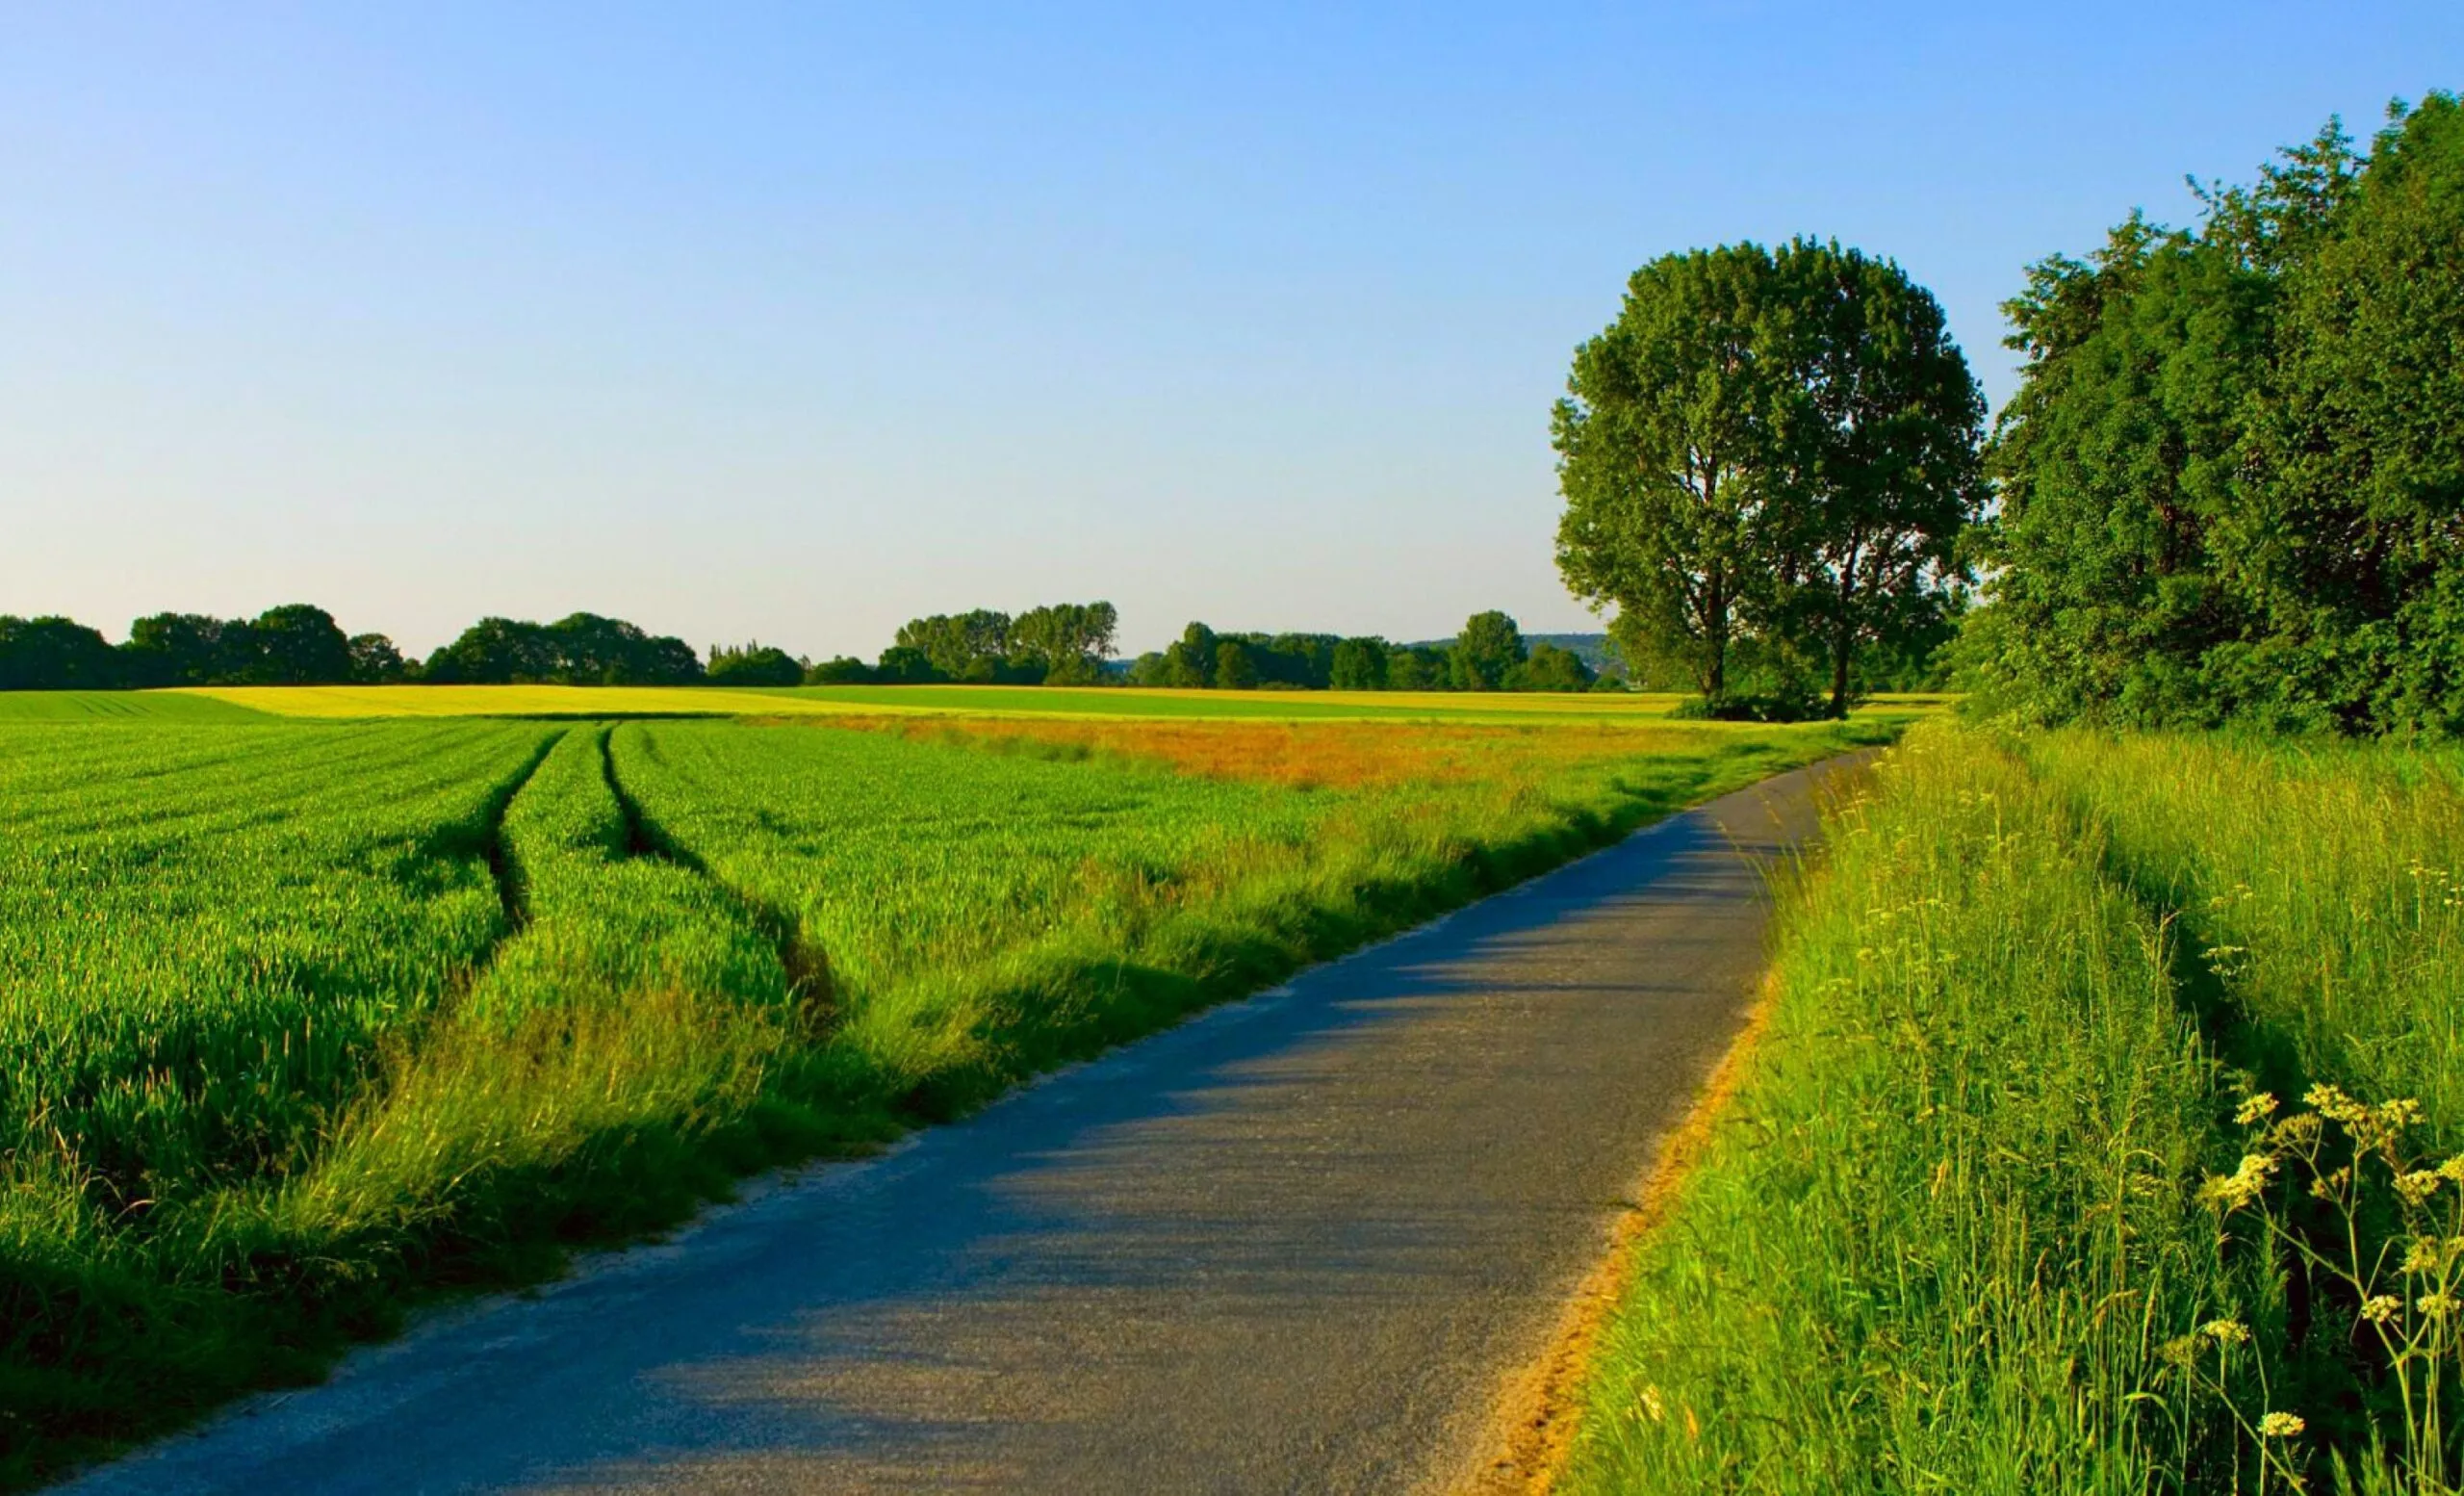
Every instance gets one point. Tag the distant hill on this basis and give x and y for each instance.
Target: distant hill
(1592, 648)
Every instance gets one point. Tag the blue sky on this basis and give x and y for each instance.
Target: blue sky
(792, 321)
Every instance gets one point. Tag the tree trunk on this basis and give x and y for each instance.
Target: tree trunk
(1843, 634)
(1715, 637)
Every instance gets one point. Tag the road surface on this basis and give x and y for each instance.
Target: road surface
(1295, 1245)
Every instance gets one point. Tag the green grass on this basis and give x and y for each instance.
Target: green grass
(1984, 1186)
(108, 705)
(308, 1019)
(2323, 884)
(1942, 1234)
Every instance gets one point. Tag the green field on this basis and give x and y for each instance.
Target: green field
(309, 1018)
(109, 705)
(1995, 1208)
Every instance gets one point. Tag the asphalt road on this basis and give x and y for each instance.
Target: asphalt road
(1292, 1246)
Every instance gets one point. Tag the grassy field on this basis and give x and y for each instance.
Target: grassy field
(2101, 1140)
(310, 1018)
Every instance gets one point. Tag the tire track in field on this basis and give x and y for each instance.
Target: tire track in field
(808, 967)
(502, 867)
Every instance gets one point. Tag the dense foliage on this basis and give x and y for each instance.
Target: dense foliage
(2232, 480)
(1775, 450)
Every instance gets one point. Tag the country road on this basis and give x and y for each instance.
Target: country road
(1295, 1245)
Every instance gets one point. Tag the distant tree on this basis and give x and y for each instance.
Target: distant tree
(904, 664)
(1302, 661)
(1550, 669)
(1234, 670)
(495, 652)
(376, 661)
(1358, 665)
(1190, 661)
(55, 654)
(1064, 643)
(664, 660)
(1418, 667)
(186, 649)
(595, 651)
(969, 647)
(298, 645)
(1487, 651)
(1150, 669)
(843, 670)
(752, 664)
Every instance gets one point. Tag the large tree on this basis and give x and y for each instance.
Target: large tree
(1669, 453)
(1776, 446)
(1883, 430)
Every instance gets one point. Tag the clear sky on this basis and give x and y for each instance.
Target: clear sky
(792, 322)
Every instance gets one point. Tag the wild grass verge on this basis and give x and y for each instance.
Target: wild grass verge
(1947, 1237)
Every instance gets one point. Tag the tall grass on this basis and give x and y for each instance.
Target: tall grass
(2321, 887)
(1946, 1233)
(2324, 882)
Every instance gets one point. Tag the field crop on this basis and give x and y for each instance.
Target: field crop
(307, 1017)
(108, 705)
(207, 934)
(2100, 1141)
(576, 701)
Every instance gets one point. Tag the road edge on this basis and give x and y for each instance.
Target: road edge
(1538, 1411)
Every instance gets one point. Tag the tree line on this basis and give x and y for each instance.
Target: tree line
(1059, 644)
(303, 645)
(1073, 644)
(1489, 654)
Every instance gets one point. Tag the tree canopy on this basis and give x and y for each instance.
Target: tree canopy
(1768, 449)
(2232, 480)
